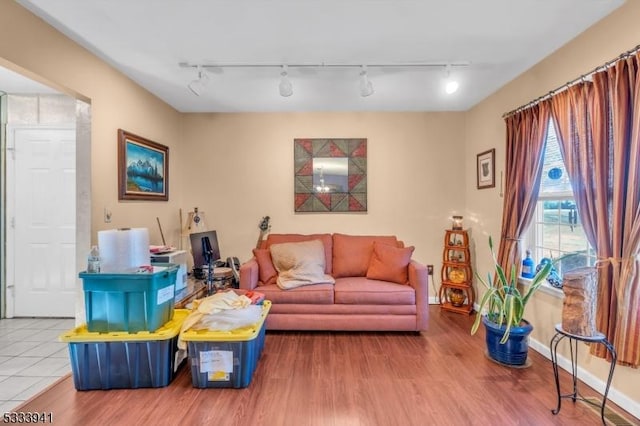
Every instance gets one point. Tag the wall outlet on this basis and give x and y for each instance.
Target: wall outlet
(107, 215)
(430, 269)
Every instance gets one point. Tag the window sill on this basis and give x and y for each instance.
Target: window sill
(545, 287)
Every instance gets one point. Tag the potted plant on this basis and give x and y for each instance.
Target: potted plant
(507, 333)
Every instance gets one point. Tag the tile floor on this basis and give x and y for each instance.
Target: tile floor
(31, 357)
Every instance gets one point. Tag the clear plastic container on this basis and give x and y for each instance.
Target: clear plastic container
(93, 261)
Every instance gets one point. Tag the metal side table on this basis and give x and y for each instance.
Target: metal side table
(573, 346)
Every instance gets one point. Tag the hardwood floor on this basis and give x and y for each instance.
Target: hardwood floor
(440, 377)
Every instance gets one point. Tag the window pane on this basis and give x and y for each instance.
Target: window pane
(570, 261)
(554, 175)
(551, 211)
(573, 239)
(550, 236)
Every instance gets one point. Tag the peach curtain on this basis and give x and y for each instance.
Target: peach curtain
(598, 127)
(526, 136)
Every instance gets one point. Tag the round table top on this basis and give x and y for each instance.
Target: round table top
(598, 337)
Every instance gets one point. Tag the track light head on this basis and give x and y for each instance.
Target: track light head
(197, 86)
(451, 87)
(285, 87)
(451, 84)
(366, 87)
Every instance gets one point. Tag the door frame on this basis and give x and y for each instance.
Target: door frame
(10, 178)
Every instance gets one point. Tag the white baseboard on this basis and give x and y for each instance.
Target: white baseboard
(633, 407)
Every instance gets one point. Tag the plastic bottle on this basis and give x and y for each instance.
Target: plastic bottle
(93, 260)
(528, 266)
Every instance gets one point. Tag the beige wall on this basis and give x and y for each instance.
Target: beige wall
(30, 46)
(240, 168)
(485, 129)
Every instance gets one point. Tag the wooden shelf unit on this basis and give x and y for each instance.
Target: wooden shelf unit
(456, 274)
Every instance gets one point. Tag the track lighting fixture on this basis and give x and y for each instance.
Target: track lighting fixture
(197, 86)
(285, 87)
(366, 87)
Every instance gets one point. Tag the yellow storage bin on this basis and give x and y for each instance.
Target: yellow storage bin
(121, 360)
(226, 358)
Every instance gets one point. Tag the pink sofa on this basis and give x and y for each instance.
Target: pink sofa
(354, 302)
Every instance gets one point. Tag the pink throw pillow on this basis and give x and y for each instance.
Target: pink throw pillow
(389, 263)
(352, 253)
(266, 271)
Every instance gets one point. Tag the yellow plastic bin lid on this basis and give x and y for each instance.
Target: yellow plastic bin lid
(169, 330)
(236, 335)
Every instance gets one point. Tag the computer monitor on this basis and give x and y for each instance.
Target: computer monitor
(199, 259)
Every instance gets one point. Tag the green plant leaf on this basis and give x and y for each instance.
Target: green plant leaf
(485, 298)
(538, 280)
(510, 316)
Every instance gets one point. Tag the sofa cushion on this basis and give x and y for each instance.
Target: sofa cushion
(267, 273)
(351, 253)
(316, 294)
(299, 264)
(296, 238)
(389, 263)
(363, 291)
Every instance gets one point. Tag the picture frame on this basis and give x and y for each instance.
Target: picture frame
(143, 168)
(330, 175)
(486, 169)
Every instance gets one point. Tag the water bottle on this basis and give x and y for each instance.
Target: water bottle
(528, 266)
(93, 260)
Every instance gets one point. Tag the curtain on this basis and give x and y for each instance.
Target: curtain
(598, 127)
(624, 87)
(526, 138)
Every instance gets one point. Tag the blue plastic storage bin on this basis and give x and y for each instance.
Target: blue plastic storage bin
(129, 302)
(120, 360)
(208, 349)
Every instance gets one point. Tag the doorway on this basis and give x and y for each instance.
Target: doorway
(40, 275)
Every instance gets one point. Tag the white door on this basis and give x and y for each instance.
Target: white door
(41, 234)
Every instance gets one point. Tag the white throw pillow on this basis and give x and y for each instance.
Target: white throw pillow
(299, 264)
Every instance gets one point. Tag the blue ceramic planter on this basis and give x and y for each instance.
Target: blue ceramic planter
(514, 350)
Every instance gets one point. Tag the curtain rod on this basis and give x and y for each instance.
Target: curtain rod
(572, 82)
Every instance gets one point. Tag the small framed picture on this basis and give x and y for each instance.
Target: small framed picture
(143, 168)
(486, 169)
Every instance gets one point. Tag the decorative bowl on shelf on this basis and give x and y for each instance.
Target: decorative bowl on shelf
(457, 297)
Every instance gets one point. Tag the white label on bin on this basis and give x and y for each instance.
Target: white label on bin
(165, 294)
(216, 361)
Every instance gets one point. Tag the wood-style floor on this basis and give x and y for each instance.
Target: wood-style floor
(440, 377)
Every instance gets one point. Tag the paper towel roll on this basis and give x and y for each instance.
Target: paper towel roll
(123, 250)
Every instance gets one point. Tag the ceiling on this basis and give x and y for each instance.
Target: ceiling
(147, 39)
(12, 82)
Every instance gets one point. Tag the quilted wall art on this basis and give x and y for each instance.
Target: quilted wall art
(330, 175)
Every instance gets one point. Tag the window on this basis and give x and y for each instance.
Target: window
(556, 232)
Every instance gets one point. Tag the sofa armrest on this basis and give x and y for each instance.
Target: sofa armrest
(419, 280)
(249, 274)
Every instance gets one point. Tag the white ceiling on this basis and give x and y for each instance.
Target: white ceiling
(14, 83)
(147, 39)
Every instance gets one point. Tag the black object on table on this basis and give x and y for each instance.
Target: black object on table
(573, 346)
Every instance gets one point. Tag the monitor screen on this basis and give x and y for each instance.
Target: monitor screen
(196, 248)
